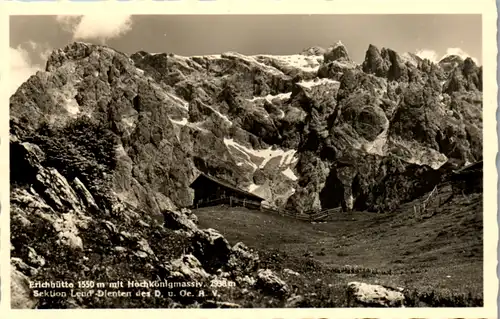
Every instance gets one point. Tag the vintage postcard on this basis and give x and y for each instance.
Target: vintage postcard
(328, 159)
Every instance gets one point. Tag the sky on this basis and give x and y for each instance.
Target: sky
(32, 38)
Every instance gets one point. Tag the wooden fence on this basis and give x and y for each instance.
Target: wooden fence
(233, 201)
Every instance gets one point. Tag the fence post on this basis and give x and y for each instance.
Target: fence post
(243, 202)
(230, 201)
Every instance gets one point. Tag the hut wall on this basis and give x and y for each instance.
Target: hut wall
(207, 190)
(204, 190)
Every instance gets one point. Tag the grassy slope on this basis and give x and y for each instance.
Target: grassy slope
(417, 251)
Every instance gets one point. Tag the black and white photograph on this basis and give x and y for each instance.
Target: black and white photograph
(246, 161)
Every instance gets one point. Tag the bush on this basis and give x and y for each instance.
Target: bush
(84, 149)
(413, 298)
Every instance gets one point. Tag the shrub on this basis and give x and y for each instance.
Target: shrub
(413, 298)
(85, 149)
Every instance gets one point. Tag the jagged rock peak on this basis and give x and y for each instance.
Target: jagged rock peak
(452, 61)
(337, 44)
(452, 58)
(374, 63)
(314, 51)
(140, 54)
(469, 67)
(337, 52)
(79, 50)
(464, 76)
(469, 61)
(387, 63)
(411, 58)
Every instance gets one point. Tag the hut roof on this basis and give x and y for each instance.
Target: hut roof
(225, 184)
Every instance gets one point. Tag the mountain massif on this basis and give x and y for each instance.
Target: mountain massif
(100, 133)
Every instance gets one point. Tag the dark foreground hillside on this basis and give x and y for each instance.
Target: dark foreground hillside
(435, 254)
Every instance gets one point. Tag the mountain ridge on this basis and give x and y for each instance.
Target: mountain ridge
(264, 101)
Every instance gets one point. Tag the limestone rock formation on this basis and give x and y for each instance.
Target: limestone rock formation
(271, 283)
(242, 259)
(337, 52)
(366, 295)
(314, 50)
(246, 118)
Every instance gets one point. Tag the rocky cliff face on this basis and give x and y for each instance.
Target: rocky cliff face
(310, 131)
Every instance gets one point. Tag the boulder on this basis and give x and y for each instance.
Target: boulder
(178, 221)
(242, 259)
(143, 246)
(186, 268)
(34, 259)
(20, 293)
(245, 281)
(20, 265)
(290, 272)
(85, 195)
(270, 283)
(190, 215)
(211, 249)
(366, 295)
(67, 227)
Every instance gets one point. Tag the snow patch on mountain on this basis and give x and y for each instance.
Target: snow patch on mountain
(252, 60)
(208, 57)
(65, 98)
(270, 98)
(407, 57)
(252, 187)
(265, 155)
(224, 117)
(288, 158)
(311, 83)
(288, 173)
(196, 125)
(130, 121)
(376, 147)
(180, 102)
(298, 61)
(419, 154)
(337, 44)
(183, 122)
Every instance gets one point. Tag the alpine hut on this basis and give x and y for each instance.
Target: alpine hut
(210, 191)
